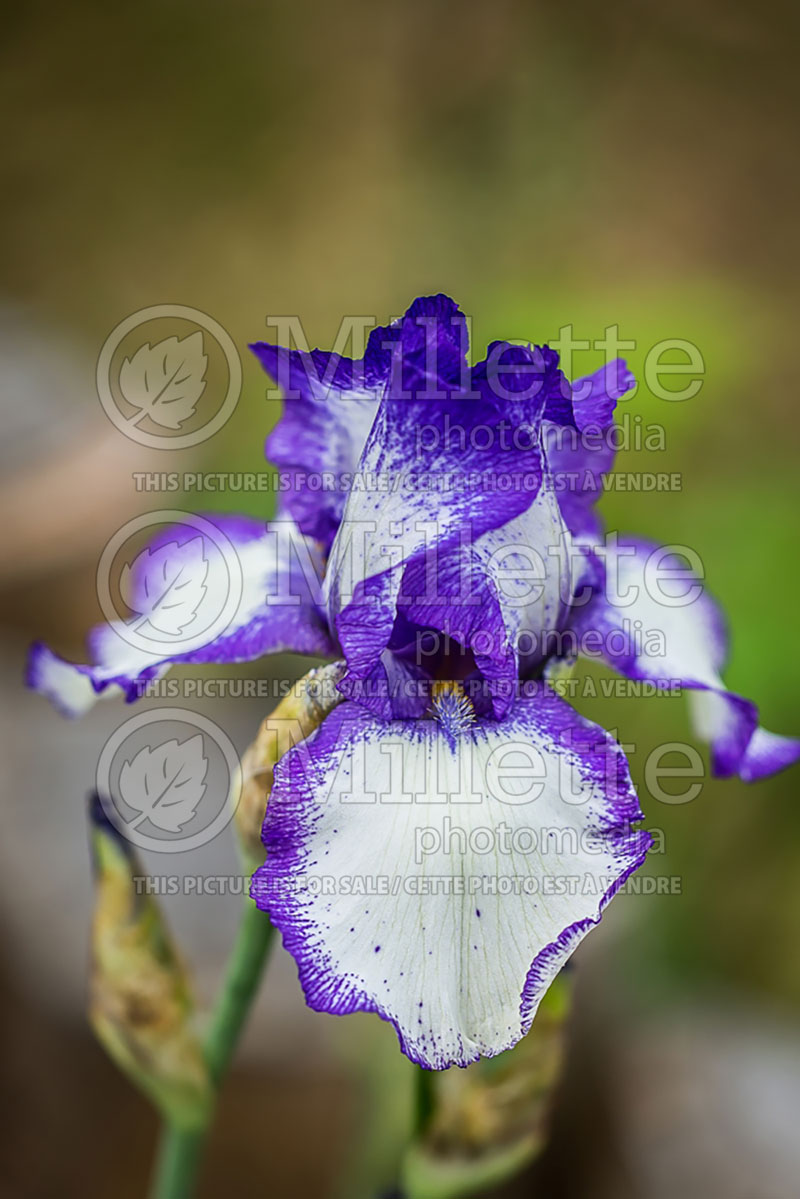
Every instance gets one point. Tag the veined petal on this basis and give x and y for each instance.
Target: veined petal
(595, 396)
(579, 455)
(331, 402)
(429, 343)
(526, 383)
(225, 589)
(467, 574)
(329, 408)
(482, 472)
(501, 598)
(650, 624)
(440, 872)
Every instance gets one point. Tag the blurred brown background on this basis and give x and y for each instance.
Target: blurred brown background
(628, 164)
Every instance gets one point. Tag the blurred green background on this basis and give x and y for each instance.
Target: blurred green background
(628, 165)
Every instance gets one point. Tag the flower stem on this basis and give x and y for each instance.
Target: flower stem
(242, 977)
(181, 1149)
(424, 1099)
(178, 1162)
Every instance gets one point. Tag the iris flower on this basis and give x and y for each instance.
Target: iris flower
(444, 840)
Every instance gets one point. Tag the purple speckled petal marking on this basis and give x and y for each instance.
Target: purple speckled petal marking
(440, 872)
(331, 402)
(444, 473)
(276, 608)
(689, 646)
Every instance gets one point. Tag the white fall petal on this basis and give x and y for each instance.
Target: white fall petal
(441, 871)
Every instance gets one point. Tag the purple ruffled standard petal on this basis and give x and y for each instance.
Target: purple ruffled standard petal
(655, 621)
(595, 396)
(442, 474)
(219, 589)
(580, 455)
(331, 402)
(422, 350)
(526, 383)
(494, 571)
(440, 872)
(330, 406)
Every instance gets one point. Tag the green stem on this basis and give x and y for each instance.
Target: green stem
(178, 1162)
(424, 1099)
(181, 1149)
(242, 977)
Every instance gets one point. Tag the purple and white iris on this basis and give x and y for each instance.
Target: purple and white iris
(443, 841)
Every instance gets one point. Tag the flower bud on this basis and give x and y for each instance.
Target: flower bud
(294, 719)
(141, 1006)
